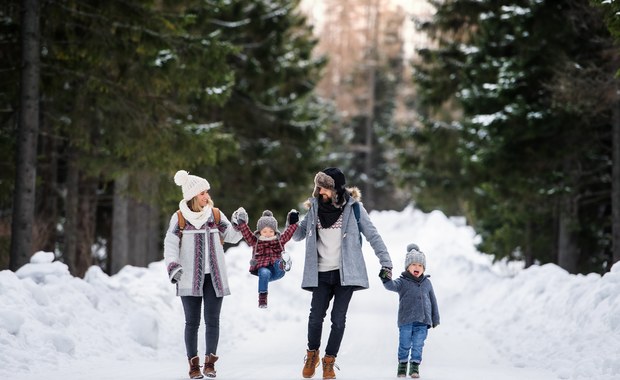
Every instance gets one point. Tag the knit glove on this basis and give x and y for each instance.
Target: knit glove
(385, 274)
(177, 276)
(240, 216)
(292, 217)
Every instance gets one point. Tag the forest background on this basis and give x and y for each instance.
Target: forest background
(505, 112)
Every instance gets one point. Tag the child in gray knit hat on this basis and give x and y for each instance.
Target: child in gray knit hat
(269, 260)
(417, 310)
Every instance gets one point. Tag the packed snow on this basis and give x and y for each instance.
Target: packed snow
(498, 321)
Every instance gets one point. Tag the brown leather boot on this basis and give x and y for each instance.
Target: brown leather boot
(194, 368)
(209, 369)
(328, 367)
(262, 300)
(312, 361)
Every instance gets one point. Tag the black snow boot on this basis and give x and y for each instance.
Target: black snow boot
(402, 369)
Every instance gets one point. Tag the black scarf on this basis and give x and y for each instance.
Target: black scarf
(328, 213)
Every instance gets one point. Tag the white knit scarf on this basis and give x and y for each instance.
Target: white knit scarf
(197, 219)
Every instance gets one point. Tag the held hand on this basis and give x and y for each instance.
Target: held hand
(242, 216)
(234, 218)
(292, 217)
(177, 276)
(385, 274)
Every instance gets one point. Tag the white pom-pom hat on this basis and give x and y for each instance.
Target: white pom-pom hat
(190, 184)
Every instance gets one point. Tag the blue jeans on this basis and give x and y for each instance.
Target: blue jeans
(411, 338)
(267, 274)
(329, 287)
(191, 307)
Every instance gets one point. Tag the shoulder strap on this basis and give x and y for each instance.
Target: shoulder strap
(216, 215)
(181, 224)
(356, 211)
(181, 220)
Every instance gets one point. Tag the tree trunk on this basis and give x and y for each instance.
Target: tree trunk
(615, 185)
(45, 233)
(25, 178)
(568, 252)
(70, 230)
(139, 221)
(144, 219)
(119, 253)
(155, 250)
(87, 212)
(373, 32)
(528, 254)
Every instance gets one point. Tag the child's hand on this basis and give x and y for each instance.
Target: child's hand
(240, 216)
(292, 217)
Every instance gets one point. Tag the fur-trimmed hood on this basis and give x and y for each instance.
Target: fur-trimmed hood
(353, 192)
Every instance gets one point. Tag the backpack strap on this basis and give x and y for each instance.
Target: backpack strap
(181, 223)
(356, 211)
(216, 215)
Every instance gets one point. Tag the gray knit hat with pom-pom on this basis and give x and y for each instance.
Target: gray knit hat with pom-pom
(414, 256)
(267, 220)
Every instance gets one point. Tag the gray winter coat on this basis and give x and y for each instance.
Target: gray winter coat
(416, 300)
(352, 265)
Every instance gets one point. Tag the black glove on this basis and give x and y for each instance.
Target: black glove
(292, 217)
(385, 274)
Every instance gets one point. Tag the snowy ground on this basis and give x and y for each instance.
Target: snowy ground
(498, 322)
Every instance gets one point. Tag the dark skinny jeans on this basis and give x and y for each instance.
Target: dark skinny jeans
(329, 287)
(191, 307)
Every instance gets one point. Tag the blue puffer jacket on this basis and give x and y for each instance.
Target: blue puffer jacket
(352, 265)
(416, 300)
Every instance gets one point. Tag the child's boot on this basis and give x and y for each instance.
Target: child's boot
(414, 370)
(194, 368)
(402, 369)
(286, 262)
(209, 369)
(329, 362)
(310, 363)
(262, 300)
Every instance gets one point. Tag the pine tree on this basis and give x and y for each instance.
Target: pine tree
(522, 155)
(610, 11)
(272, 113)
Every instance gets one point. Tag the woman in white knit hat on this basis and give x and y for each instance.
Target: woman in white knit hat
(194, 257)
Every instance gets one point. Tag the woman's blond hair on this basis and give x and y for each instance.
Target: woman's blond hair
(194, 204)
